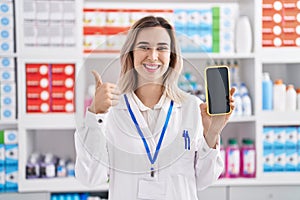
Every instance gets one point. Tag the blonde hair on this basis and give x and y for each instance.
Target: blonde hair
(128, 76)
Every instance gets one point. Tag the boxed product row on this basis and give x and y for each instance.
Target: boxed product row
(7, 44)
(50, 87)
(207, 29)
(281, 149)
(240, 161)
(279, 97)
(8, 106)
(281, 23)
(49, 10)
(48, 166)
(8, 160)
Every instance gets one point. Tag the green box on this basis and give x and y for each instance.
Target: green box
(1, 136)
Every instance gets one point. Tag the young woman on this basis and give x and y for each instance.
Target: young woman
(153, 140)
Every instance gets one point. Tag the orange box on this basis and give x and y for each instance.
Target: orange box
(273, 4)
(271, 28)
(291, 40)
(270, 40)
(270, 15)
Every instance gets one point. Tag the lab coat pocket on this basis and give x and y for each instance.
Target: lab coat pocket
(178, 188)
(152, 189)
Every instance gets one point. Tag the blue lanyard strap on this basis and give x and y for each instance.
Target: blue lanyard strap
(152, 160)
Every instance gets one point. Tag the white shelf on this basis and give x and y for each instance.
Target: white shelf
(236, 181)
(280, 55)
(48, 121)
(56, 185)
(280, 118)
(280, 178)
(8, 122)
(8, 54)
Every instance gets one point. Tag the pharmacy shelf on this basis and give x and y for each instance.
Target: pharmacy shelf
(272, 178)
(280, 178)
(48, 121)
(8, 55)
(57, 185)
(272, 118)
(280, 55)
(8, 122)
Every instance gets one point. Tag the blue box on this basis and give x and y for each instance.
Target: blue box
(11, 178)
(268, 161)
(11, 154)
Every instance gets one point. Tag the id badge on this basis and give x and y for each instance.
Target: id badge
(151, 189)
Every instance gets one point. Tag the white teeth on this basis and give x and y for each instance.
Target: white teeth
(152, 66)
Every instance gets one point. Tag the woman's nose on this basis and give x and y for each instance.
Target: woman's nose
(153, 54)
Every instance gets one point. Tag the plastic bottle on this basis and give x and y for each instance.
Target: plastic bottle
(247, 107)
(243, 89)
(279, 98)
(223, 152)
(232, 159)
(238, 104)
(248, 155)
(298, 98)
(291, 98)
(235, 72)
(267, 92)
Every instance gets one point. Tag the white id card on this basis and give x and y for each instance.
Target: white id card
(151, 189)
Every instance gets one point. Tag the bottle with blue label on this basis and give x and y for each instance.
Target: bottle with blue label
(267, 92)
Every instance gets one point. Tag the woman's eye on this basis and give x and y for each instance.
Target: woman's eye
(162, 48)
(143, 47)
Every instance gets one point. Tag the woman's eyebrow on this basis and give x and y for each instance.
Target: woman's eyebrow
(142, 43)
(163, 43)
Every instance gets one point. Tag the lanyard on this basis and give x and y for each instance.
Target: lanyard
(152, 160)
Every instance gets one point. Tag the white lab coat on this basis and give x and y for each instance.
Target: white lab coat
(114, 147)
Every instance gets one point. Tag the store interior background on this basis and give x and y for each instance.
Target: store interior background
(49, 47)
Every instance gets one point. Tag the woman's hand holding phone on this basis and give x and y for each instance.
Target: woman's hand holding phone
(106, 95)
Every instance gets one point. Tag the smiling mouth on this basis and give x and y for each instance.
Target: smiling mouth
(151, 66)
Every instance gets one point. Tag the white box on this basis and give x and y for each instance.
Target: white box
(69, 35)
(7, 88)
(7, 75)
(42, 10)
(29, 9)
(30, 34)
(7, 101)
(8, 113)
(6, 8)
(7, 34)
(10, 136)
(42, 35)
(55, 35)
(11, 154)
(7, 63)
(69, 10)
(56, 10)
(6, 46)
(6, 22)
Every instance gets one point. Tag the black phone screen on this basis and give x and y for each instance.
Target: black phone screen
(217, 88)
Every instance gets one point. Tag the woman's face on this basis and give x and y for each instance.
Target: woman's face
(151, 54)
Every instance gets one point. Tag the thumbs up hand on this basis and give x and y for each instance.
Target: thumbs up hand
(106, 95)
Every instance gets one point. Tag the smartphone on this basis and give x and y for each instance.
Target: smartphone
(217, 90)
